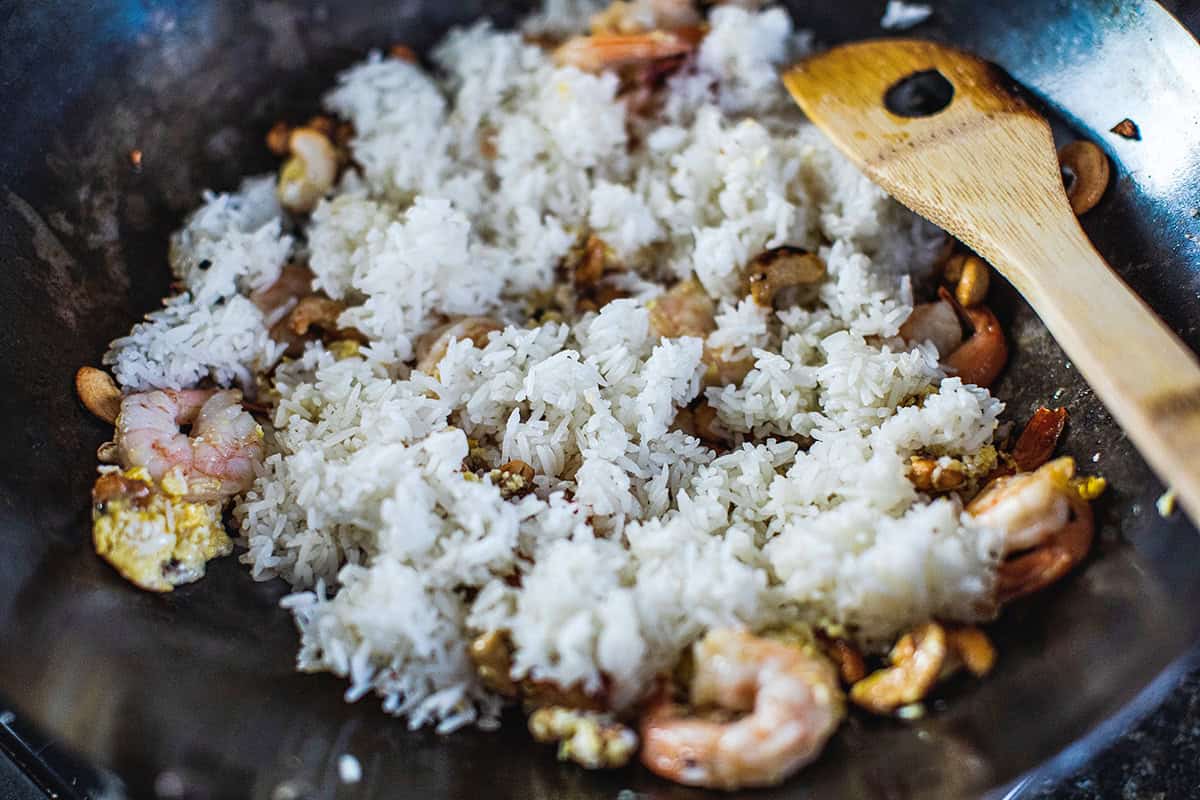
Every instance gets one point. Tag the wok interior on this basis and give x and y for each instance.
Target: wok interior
(201, 681)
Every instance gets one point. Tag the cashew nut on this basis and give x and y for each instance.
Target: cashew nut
(99, 393)
(972, 286)
(589, 261)
(934, 474)
(917, 660)
(432, 347)
(708, 429)
(781, 268)
(972, 647)
(683, 310)
(1088, 172)
(310, 172)
(722, 369)
(402, 52)
(492, 654)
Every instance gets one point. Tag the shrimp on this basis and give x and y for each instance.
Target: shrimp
(433, 346)
(1047, 527)
(794, 706)
(936, 323)
(277, 300)
(216, 461)
(609, 51)
(980, 359)
(623, 16)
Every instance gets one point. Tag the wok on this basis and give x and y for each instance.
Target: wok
(193, 694)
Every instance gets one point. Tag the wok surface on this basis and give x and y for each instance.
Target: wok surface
(199, 684)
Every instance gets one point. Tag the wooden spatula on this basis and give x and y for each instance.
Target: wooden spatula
(984, 168)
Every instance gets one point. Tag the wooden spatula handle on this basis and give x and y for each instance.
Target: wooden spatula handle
(1149, 380)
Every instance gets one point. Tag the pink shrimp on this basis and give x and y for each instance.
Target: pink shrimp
(980, 358)
(794, 706)
(609, 51)
(217, 460)
(1047, 527)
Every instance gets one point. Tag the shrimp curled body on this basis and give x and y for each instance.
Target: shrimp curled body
(219, 457)
(794, 706)
(1047, 527)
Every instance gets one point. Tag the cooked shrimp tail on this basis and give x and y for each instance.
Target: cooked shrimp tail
(794, 706)
(608, 51)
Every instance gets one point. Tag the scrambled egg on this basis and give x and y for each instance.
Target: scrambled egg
(591, 740)
(151, 536)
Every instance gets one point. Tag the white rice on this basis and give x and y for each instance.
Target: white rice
(900, 16)
(638, 537)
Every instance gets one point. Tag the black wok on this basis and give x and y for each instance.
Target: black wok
(192, 694)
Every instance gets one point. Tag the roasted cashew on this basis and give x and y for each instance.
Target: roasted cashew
(917, 660)
(99, 393)
(930, 474)
(1087, 166)
(310, 172)
(683, 310)
(972, 286)
(972, 648)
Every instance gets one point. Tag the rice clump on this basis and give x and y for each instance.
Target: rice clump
(477, 179)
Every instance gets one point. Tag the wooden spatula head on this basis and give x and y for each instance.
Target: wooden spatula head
(983, 166)
(963, 167)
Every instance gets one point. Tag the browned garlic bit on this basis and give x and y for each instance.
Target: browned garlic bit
(310, 172)
(515, 479)
(590, 739)
(781, 268)
(402, 52)
(432, 347)
(1127, 129)
(936, 474)
(1088, 171)
(917, 660)
(99, 393)
(277, 138)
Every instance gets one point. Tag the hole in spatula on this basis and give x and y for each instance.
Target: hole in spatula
(921, 94)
